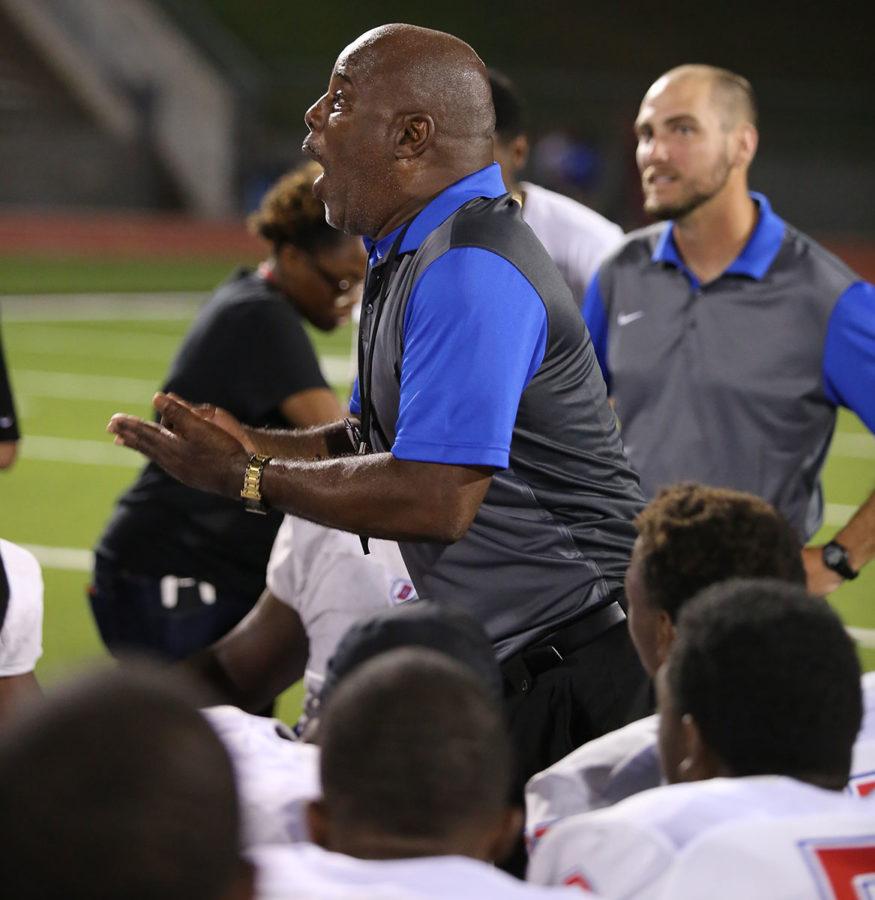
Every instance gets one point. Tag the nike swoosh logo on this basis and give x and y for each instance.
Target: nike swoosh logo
(626, 318)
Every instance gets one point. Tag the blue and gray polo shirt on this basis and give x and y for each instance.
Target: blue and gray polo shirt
(481, 358)
(736, 382)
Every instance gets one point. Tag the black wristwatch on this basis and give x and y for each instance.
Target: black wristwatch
(835, 557)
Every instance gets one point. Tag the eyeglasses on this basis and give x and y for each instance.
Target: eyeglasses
(341, 285)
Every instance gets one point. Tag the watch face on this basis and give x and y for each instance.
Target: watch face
(833, 555)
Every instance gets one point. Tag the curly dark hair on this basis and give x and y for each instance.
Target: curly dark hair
(692, 536)
(290, 214)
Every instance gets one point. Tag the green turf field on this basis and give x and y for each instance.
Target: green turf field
(75, 360)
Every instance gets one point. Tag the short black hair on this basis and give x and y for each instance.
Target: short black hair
(692, 536)
(510, 113)
(771, 678)
(444, 627)
(413, 747)
(115, 787)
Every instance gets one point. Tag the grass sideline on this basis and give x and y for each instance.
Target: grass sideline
(71, 374)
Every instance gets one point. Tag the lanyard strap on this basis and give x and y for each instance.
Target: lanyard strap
(366, 382)
(366, 372)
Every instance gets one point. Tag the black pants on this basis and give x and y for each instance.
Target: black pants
(595, 689)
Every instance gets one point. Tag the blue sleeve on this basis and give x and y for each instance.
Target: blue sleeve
(597, 323)
(475, 332)
(355, 400)
(849, 352)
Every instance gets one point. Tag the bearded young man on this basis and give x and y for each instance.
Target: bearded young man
(727, 338)
(490, 450)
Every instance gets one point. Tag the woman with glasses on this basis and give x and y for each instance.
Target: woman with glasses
(177, 568)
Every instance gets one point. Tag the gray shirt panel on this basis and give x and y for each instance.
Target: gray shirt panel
(554, 533)
(723, 383)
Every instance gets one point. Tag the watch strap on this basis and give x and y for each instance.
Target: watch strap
(251, 493)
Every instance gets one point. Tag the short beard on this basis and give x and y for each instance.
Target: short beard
(681, 210)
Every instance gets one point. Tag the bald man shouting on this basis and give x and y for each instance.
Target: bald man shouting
(483, 440)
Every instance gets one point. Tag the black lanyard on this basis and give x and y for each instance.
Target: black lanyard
(365, 383)
(378, 304)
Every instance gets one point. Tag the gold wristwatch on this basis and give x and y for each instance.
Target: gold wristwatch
(251, 492)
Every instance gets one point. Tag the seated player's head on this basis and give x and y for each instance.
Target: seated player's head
(416, 761)
(117, 787)
(689, 537)
(762, 679)
(418, 623)
(510, 143)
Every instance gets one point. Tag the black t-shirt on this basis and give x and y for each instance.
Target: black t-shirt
(246, 352)
(8, 423)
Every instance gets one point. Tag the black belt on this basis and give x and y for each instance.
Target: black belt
(549, 651)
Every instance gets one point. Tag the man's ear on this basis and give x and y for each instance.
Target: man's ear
(243, 887)
(318, 824)
(665, 634)
(505, 835)
(519, 150)
(415, 134)
(748, 139)
(699, 762)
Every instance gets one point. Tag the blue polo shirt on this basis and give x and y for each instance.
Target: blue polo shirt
(475, 332)
(849, 348)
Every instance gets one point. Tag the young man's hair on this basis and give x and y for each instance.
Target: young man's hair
(290, 214)
(771, 678)
(692, 536)
(510, 115)
(413, 747)
(732, 93)
(116, 787)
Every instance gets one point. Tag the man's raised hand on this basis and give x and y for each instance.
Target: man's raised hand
(189, 447)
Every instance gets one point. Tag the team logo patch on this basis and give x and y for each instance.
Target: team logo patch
(844, 869)
(401, 591)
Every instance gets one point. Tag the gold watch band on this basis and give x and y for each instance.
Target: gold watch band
(251, 492)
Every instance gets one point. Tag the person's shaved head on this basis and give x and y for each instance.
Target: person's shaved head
(408, 111)
(423, 70)
(731, 94)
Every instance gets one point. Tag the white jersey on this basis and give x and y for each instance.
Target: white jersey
(600, 773)
(277, 776)
(628, 849)
(305, 870)
(813, 856)
(324, 575)
(21, 635)
(862, 780)
(625, 762)
(576, 237)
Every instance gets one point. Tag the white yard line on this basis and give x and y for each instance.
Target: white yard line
(100, 307)
(68, 558)
(76, 560)
(852, 445)
(79, 452)
(66, 386)
(48, 341)
(865, 637)
(838, 513)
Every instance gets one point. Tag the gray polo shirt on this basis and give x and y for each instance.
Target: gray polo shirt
(553, 536)
(723, 383)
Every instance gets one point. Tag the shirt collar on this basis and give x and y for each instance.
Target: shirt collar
(482, 183)
(754, 260)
